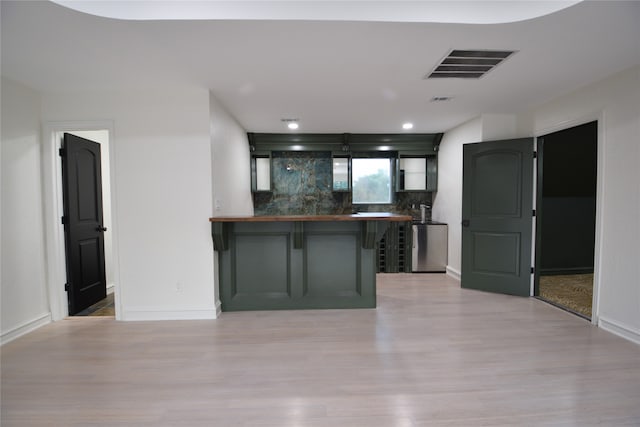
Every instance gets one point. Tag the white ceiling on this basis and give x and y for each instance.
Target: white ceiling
(335, 76)
(443, 11)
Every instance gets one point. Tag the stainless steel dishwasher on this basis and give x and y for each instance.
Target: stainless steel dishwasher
(429, 251)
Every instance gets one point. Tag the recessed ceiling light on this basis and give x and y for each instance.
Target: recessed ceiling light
(407, 125)
(291, 123)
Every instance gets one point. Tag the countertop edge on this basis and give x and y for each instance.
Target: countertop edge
(314, 218)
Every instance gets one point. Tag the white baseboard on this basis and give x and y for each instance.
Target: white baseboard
(143, 314)
(620, 330)
(25, 328)
(453, 273)
(218, 308)
(110, 288)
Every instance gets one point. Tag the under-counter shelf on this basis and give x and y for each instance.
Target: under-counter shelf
(394, 249)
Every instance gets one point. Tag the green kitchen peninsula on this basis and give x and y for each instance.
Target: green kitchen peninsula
(298, 261)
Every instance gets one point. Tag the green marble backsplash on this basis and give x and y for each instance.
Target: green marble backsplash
(302, 186)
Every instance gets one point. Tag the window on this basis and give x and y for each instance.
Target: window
(371, 180)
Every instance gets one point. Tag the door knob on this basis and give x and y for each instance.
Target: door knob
(465, 222)
(101, 229)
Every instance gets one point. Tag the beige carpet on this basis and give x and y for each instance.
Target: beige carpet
(572, 291)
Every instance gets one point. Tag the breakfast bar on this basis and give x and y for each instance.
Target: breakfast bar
(298, 261)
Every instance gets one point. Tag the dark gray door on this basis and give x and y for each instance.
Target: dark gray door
(84, 231)
(497, 188)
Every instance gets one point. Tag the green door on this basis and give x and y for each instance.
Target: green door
(497, 191)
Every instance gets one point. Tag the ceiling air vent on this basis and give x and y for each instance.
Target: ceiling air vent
(441, 98)
(468, 64)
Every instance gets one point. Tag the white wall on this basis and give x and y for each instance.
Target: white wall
(231, 171)
(231, 163)
(617, 101)
(162, 194)
(447, 203)
(498, 126)
(23, 290)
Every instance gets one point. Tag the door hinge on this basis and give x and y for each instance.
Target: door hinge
(61, 152)
(63, 220)
(534, 213)
(66, 287)
(535, 154)
(533, 270)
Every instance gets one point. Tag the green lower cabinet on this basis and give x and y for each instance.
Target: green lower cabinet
(298, 265)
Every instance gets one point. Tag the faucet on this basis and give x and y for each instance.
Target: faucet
(423, 213)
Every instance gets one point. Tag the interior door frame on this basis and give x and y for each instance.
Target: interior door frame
(54, 208)
(547, 129)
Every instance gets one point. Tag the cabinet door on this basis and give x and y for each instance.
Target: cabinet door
(432, 173)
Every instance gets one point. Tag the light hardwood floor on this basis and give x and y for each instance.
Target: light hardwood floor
(431, 354)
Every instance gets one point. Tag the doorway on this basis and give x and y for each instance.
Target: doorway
(85, 228)
(566, 218)
(102, 133)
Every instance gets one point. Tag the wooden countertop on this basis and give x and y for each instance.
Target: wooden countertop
(362, 216)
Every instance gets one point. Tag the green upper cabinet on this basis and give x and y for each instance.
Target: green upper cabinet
(260, 172)
(346, 143)
(412, 174)
(416, 172)
(341, 173)
(413, 157)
